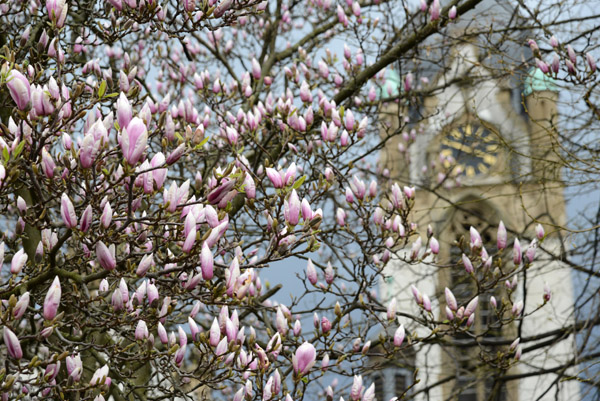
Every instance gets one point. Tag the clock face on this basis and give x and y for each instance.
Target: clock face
(473, 147)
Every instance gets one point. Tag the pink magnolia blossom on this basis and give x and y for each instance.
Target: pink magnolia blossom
(292, 209)
(18, 261)
(467, 264)
(452, 13)
(106, 255)
(141, 331)
(206, 262)
(13, 346)
(21, 306)
(20, 89)
(52, 300)
(133, 140)
(124, 111)
(74, 367)
(304, 358)
(57, 11)
(399, 336)
(517, 255)
(100, 377)
(311, 272)
(67, 211)
(501, 236)
(86, 219)
(451, 300)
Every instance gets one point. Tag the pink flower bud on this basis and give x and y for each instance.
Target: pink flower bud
(501, 236)
(52, 300)
(275, 177)
(152, 293)
(515, 344)
(21, 306)
(86, 219)
(292, 209)
(399, 336)
(357, 388)
(329, 274)
(74, 367)
(145, 264)
(141, 331)
(305, 94)
(249, 186)
(162, 333)
(57, 11)
(467, 263)
(323, 69)
(106, 255)
(103, 286)
(124, 111)
(571, 54)
(48, 164)
(206, 262)
(190, 237)
(106, 217)
(297, 329)
(517, 255)
(539, 232)
(452, 13)
(304, 358)
(369, 394)
(18, 261)
(451, 300)
(417, 295)
(530, 252)
(449, 314)
(325, 325)
(555, 63)
(221, 347)
(19, 89)
(471, 306)
(311, 272)
(13, 346)
(281, 322)
(591, 62)
(100, 377)
(256, 69)
(517, 308)
(215, 333)
(434, 245)
(475, 238)
(391, 309)
(426, 303)
(133, 140)
(67, 211)
(471, 320)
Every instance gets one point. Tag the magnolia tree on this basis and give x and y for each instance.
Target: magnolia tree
(158, 157)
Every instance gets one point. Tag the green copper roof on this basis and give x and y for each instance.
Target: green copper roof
(537, 81)
(391, 86)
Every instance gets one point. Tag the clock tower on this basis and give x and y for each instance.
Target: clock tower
(480, 147)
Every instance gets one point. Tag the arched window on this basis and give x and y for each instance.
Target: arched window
(472, 382)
